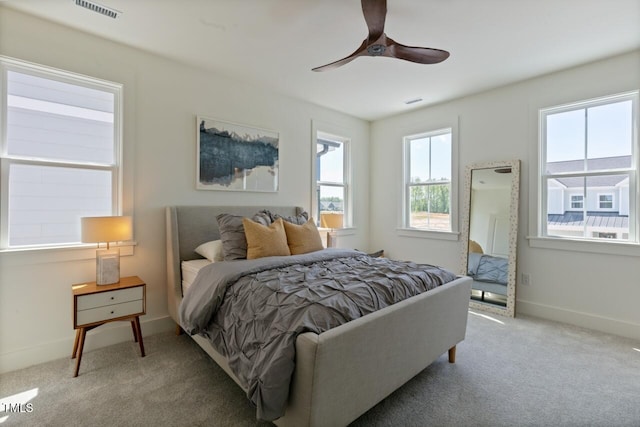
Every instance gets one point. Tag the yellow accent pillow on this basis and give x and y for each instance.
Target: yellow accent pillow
(303, 238)
(265, 241)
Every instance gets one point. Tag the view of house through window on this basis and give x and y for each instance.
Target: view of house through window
(60, 154)
(331, 181)
(428, 181)
(588, 171)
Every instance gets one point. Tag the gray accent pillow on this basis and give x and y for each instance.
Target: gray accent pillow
(300, 219)
(492, 269)
(474, 260)
(234, 243)
(264, 217)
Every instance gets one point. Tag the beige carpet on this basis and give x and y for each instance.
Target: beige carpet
(509, 372)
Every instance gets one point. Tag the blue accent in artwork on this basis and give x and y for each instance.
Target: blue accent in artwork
(224, 154)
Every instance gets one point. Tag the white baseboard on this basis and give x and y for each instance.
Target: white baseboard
(109, 334)
(576, 318)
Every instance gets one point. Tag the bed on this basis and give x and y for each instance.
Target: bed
(341, 373)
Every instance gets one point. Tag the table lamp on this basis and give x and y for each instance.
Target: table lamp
(99, 229)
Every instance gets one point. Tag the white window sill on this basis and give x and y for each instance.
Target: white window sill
(590, 246)
(428, 234)
(40, 255)
(339, 231)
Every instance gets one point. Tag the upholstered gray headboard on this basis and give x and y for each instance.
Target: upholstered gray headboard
(188, 227)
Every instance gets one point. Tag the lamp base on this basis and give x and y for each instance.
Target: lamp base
(332, 239)
(107, 266)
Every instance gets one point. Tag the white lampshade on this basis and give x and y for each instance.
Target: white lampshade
(97, 229)
(107, 229)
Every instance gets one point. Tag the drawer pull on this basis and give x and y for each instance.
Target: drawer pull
(111, 311)
(111, 297)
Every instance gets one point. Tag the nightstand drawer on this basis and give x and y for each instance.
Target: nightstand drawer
(101, 299)
(108, 312)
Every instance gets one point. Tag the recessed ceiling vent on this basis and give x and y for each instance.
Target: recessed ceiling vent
(98, 8)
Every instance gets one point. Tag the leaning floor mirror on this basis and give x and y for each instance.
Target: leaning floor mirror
(490, 234)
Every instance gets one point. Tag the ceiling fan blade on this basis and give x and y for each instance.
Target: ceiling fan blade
(421, 55)
(375, 13)
(359, 52)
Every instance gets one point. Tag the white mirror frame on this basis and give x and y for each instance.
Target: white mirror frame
(509, 310)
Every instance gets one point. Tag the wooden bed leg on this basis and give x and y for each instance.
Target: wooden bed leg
(178, 330)
(452, 354)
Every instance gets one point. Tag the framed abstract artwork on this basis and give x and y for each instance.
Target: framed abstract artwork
(236, 157)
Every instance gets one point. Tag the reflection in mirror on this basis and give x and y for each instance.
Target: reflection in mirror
(490, 229)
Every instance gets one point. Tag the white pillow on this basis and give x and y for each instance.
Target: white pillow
(211, 250)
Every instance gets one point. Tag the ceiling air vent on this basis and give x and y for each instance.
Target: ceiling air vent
(95, 7)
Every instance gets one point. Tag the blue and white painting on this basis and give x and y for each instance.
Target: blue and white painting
(236, 157)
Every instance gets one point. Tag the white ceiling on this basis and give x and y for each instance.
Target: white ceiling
(275, 43)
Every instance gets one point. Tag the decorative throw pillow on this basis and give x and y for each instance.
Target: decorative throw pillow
(211, 250)
(234, 243)
(472, 263)
(263, 217)
(294, 219)
(265, 241)
(303, 238)
(492, 269)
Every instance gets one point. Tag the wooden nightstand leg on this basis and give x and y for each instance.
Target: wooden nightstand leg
(137, 321)
(75, 344)
(83, 334)
(135, 331)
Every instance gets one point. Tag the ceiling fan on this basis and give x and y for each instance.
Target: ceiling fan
(378, 44)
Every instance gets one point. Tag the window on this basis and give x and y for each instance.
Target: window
(427, 172)
(332, 181)
(605, 201)
(588, 174)
(577, 201)
(60, 153)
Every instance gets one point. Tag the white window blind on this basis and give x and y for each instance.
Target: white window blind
(60, 157)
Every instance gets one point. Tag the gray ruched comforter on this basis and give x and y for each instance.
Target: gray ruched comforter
(253, 310)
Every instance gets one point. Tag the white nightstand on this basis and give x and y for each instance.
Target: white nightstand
(95, 305)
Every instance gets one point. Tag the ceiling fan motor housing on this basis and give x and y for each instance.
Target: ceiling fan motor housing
(376, 49)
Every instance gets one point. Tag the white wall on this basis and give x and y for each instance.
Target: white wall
(594, 290)
(161, 101)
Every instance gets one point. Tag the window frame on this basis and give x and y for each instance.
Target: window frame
(346, 184)
(588, 243)
(405, 211)
(8, 64)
